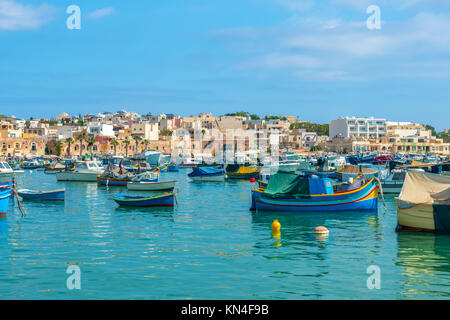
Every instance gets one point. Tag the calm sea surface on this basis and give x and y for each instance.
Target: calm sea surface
(210, 246)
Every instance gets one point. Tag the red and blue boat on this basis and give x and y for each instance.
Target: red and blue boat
(290, 192)
(105, 181)
(164, 200)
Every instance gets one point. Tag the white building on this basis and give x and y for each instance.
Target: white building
(358, 127)
(101, 129)
(145, 130)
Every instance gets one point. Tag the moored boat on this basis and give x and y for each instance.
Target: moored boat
(394, 182)
(51, 195)
(290, 192)
(5, 194)
(164, 200)
(86, 171)
(236, 171)
(421, 195)
(207, 174)
(151, 186)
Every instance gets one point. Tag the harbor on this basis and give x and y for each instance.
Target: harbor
(206, 243)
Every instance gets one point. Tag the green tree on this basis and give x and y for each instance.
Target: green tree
(430, 127)
(81, 137)
(69, 141)
(126, 143)
(91, 141)
(145, 143)
(58, 147)
(165, 132)
(115, 143)
(136, 140)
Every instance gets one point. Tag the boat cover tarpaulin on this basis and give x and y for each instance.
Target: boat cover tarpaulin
(289, 184)
(425, 188)
(205, 171)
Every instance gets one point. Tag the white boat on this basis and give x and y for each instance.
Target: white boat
(394, 182)
(151, 186)
(209, 178)
(84, 171)
(6, 172)
(155, 158)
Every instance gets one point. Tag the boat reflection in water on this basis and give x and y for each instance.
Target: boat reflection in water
(424, 260)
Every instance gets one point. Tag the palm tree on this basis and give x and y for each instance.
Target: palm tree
(58, 147)
(137, 139)
(145, 143)
(126, 143)
(69, 141)
(91, 141)
(114, 142)
(80, 138)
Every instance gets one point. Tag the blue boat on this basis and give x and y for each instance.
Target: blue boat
(173, 168)
(53, 195)
(5, 194)
(290, 192)
(207, 174)
(164, 200)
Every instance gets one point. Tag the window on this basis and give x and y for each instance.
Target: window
(33, 146)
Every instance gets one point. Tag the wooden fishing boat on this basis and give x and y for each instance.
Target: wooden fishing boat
(173, 168)
(290, 192)
(151, 186)
(424, 197)
(164, 168)
(5, 194)
(207, 174)
(51, 195)
(394, 182)
(105, 181)
(164, 200)
(234, 171)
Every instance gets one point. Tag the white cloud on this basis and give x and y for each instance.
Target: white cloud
(344, 51)
(100, 13)
(16, 16)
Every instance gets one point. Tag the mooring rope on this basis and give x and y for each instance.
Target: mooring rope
(18, 201)
(381, 191)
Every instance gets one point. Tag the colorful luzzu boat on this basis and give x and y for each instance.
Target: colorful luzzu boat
(164, 200)
(290, 192)
(5, 194)
(234, 171)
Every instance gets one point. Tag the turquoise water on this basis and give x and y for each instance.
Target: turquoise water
(209, 247)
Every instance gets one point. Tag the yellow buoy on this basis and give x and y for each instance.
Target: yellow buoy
(276, 227)
(321, 230)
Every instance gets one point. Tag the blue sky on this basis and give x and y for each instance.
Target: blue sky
(309, 58)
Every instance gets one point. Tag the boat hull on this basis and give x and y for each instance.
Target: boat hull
(392, 187)
(158, 201)
(5, 194)
(112, 182)
(54, 195)
(77, 176)
(365, 198)
(209, 178)
(416, 217)
(151, 186)
(441, 214)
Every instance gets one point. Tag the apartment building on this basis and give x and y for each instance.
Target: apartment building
(368, 128)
